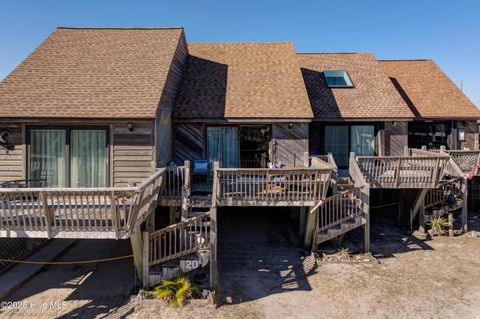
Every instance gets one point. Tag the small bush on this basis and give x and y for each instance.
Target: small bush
(176, 291)
(438, 225)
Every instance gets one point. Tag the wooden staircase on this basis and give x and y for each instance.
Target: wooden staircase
(183, 246)
(341, 213)
(340, 229)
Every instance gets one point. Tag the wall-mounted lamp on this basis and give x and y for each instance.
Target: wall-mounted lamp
(130, 126)
(290, 125)
(461, 134)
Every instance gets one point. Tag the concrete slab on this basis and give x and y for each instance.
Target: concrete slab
(21, 273)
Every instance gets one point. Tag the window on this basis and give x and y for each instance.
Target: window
(430, 134)
(64, 157)
(340, 140)
(337, 79)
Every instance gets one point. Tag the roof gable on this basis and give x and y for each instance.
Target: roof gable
(428, 91)
(373, 95)
(242, 80)
(92, 73)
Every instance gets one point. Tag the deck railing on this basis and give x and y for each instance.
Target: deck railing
(177, 240)
(466, 159)
(339, 208)
(60, 212)
(278, 187)
(176, 179)
(402, 171)
(447, 190)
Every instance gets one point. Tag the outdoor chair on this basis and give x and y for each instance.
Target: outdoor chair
(200, 168)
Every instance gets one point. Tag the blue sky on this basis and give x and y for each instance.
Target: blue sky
(446, 31)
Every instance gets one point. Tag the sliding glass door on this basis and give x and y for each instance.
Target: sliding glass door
(48, 158)
(64, 157)
(88, 165)
(336, 142)
(362, 139)
(223, 146)
(340, 140)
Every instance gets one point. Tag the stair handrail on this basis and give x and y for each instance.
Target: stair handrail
(355, 172)
(337, 215)
(161, 253)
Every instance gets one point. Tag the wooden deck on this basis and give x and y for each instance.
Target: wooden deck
(418, 170)
(77, 212)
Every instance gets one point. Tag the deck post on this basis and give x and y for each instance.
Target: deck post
(145, 261)
(309, 227)
(365, 193)
(421, 218)
(418, 203)
(213, 233)
(46, 213)
(137, 248)
(465, 205)
(185, 190)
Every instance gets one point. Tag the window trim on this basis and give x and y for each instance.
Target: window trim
(339, 86)
(68, 154)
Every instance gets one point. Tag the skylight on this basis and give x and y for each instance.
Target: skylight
(338, 79)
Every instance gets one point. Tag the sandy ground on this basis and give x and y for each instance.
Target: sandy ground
(267, 277)
(415, 278)
(82, 291)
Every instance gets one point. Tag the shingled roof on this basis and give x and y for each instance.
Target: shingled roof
(242, 80)
(428, 91)
(372, 97)
(92, 73)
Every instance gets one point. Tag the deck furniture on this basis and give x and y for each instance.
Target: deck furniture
(200, 168)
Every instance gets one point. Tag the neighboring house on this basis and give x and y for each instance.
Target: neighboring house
(99, 128)
(444, 116)
(87, 107)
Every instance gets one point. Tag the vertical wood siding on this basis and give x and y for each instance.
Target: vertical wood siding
(189, 142)
(163, 123)
(132, 153)
(396, 138)
(290, 145)
(12, 165)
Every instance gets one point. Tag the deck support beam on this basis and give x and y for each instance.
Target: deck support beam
(136, 241)
(185, 191)
(418, 203)
(365, 194)
(464, 189)
(309, 227)
(213, 233)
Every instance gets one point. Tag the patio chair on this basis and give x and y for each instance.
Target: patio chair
(200, 168)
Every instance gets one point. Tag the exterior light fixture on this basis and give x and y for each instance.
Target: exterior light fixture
(290, 125)
(130, 126)
(461, 134)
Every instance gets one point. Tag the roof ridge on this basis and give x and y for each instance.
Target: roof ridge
(359, 52)
(402, 60)
(239, 42)
(120, 28)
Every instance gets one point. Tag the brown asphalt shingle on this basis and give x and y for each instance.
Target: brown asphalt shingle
(92, 73)
(242, 80)
(428, 91)
(372, 97)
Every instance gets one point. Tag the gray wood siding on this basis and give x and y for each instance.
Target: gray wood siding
(290, 145)
(396, 138)
(189, 142)
(163, 123)
(12, 165)
(132, 153)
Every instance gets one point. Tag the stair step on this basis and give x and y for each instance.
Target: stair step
(340, 229)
